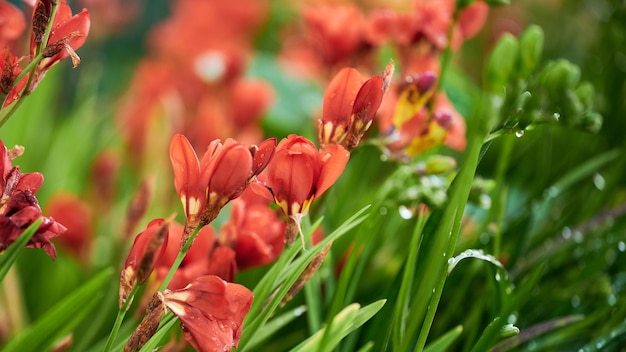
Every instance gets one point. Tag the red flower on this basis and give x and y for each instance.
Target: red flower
(67, 35)
(299, 173)
(77, 215)
(13, 23)
(350, 106)
(254, 231)
(224, 172)
(211, 312)
(19, 208)
(146, 251)
(335, 31)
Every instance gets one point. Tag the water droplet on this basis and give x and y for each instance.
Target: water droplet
(566, 233)
(519, 133)
(600, 343)
(611, 300)
(575, 301)
(551, 192)
(382, 211)
(578, 236)
(484, 238)
(512, 319)
(621, 246)
(405, 212)
(532, 345)
(556, 116)
(599, 182)
(498, 278)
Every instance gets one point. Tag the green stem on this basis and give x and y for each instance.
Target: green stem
(179, 259)
(121, 313)
(30, 69)
(46, 35)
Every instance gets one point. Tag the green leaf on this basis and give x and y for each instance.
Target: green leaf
(61, 319)
(274, 325)
(283, 274)
(348, 320)
(9, 256)
(443, 343)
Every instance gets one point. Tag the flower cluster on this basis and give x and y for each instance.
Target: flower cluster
(19, 208)
(192, 83)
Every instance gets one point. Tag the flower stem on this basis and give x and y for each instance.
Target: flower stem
(179, 259)
(46, 35)
(121, 313)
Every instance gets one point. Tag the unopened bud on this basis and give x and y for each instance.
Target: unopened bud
(436, 165)
(592, 121)
(41, 17)
(387, 75)
(586, 93)
(145, 252)
(139, 204)
(306, 275)
(148, 326)
(531, 46)
(501, 64)
(559, 76)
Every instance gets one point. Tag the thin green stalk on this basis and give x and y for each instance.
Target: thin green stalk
(179, 259)
(46, 35)
(402, 304)
(121, 313)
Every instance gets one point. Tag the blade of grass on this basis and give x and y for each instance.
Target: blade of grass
(61, 318)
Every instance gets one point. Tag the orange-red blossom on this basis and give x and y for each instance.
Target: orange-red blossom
(300, 173)
(206, 185)
(350, 106)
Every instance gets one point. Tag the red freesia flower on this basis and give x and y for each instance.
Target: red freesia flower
(211, 312)
(69, 32)
(254, 231)
(13, 23)
(299, 173)
(335, 31)
(19, 208)
(206, 186)
(350, 106)
(77, 215)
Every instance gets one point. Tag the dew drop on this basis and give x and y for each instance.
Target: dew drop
(498, 278)
(405, 212)
(599, 182)
(519, 133)
(566, 233)
(600, 343)
(556, 116)
(484, 238)
(621, 246)
(382, 211)
(611, 300)
(575, 301)
(578, 237)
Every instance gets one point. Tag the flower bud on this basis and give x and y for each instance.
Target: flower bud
(530, 47)
(149, 324)
(559, 76)
(501, 64)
